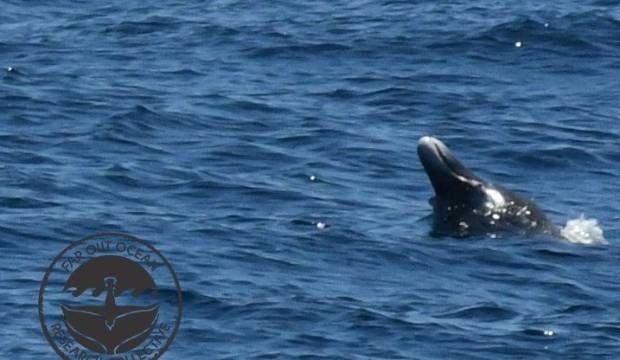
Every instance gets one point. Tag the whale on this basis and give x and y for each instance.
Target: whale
(465, 205)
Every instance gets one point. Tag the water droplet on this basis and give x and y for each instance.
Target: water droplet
(518, 44)
(496, 216)
(549, 333)
(9, 69)
(321, 225)
(312, 177)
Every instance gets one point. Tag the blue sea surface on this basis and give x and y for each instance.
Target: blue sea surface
(268, 150)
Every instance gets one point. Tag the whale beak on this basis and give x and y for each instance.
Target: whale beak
(444, 170)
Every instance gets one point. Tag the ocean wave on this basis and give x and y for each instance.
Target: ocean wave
(482, 312)
(148, 25)
(296, 50)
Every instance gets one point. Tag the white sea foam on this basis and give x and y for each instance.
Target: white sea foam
(583, 231)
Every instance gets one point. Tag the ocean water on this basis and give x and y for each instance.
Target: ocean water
(268, 149)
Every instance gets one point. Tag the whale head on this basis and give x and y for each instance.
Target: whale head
(447, 174)
(453, 182)
(465, 204)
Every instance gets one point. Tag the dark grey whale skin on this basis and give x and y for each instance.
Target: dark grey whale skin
(466, 205)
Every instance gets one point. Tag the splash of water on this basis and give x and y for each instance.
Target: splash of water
(583, 231)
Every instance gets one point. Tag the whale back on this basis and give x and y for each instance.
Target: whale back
(491, 210)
